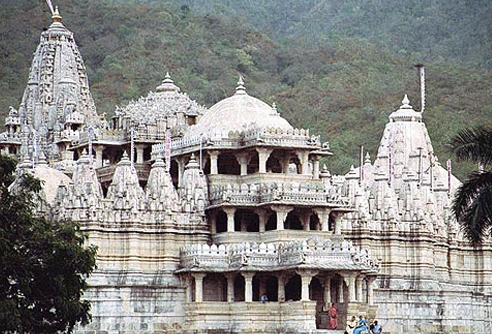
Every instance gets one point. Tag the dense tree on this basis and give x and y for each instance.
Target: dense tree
(44, 263)
(472, 205)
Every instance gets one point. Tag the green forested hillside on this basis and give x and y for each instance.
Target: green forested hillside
(343, 87)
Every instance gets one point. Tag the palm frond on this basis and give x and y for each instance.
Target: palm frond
(474, 144)
(472, 206)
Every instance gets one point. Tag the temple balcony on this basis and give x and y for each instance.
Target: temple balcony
(272, 236)
(272, 188)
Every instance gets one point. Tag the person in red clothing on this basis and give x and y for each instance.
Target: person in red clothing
(332, 314)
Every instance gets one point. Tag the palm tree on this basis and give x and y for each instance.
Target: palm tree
(472, 204)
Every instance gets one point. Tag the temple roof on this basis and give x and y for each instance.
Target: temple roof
(167, 100)
(57, 84)
(238, 113)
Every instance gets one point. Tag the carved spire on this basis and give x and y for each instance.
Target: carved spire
(57, 91)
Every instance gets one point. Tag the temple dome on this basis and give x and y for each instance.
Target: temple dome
(238, 113)
(167, 100)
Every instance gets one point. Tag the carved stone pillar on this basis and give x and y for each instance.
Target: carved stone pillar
(248, 286)
(304, 159)
(243, 161)
(305, 218)
(198, 286)
(281, 287)
(350, 281)
(340, 292)
(230, 218)
(99, 155)
(213, 222)
(285, 164)
(324, 216)
(262, 219)
(230, 287)
(140, 153)
(181, 166)
(327, 291)
(263, 155)
(214, 155)
(358, 288)
(282, 212)
(370, 289)
(306, 276)
(316, 168)
(189, 290)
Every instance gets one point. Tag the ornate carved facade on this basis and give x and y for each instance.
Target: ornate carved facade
(197, 212)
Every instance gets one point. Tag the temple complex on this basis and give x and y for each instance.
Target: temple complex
(197, 212)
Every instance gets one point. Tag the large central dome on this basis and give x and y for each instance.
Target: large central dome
(238, 113)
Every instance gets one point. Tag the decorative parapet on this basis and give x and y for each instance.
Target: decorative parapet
(299, 138)
(313, 193)
(314, 252)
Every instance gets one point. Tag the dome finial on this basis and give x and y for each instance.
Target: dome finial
(57, 18)
(405, 100)
(240, 89)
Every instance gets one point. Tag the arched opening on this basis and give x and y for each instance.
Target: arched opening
(174, 171)
(227, 164)
(221, 222)
(265, 283)
(147, 153)
(271, 222)
(254, 163)
(293, 222)
(192, 288)
(246, 221)
(332, 221)
(214, 288)
(272, 288)
(293, 288)
(239, 288)
(273, 165)
(206, 165)
(294, 165)
(314, 223)
(316, 292)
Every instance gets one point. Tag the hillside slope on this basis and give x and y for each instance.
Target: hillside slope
(343, 90)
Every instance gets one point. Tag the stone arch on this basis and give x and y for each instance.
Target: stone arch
(293, 288)
(221, 222)
(271, 223)
(314, 222)
(239, 288)
(174, 171)
(254, 163)
(293, 221)
(273, 164)
(265, 283)
(215, 287)
(227, 164)
(246, 220)
(294, 165)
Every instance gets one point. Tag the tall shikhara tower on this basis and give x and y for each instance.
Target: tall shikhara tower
(57, 102)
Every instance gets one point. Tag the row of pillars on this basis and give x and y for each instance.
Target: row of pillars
(98, 149)
(353, 281)
(244, 158)
(281, 211)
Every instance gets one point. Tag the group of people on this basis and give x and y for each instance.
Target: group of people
(354, 326)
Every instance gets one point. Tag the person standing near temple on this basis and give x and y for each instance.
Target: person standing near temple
(332, 314)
